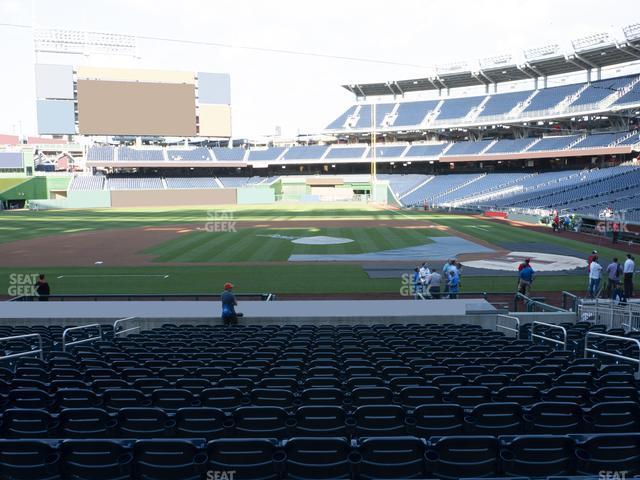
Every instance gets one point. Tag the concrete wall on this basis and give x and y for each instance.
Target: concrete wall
(170, 198)
(253, 195)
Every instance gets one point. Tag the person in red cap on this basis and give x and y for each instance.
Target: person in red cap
(229, 314)
(526, 262)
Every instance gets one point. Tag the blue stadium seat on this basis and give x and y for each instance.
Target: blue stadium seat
(171, 399)
(26, 423)
(163, 459)
(201, 422)
(390, 457)
(261, 422)
(317, 458)
(222, 397)
(144, 422)
(608, 453)
(553, 417)
(326, 421)
(86, 423)
(97, 459)
(496, 418)
(612, 417)
(437, 420)
(29, 460)
(257, 459)
(462, 456)
(537, 455)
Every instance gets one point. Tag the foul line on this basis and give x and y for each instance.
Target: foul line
(114, 275)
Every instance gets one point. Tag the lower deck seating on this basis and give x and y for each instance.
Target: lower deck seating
(363, 401)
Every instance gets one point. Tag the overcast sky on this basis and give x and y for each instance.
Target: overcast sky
(300, 93)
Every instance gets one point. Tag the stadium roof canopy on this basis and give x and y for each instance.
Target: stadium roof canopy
(591, 52)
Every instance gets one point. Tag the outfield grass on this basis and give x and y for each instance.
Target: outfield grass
(245, 248)
(257, 245)
(277, 278)
(24, 224)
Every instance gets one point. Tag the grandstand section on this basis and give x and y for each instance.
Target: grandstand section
(528, 105)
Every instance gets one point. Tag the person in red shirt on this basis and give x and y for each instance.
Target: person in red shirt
(590, 259)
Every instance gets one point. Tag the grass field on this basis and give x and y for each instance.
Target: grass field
(256, 263)
(260, 245)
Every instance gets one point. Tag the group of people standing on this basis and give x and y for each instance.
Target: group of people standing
(618, 277)
(429, 283)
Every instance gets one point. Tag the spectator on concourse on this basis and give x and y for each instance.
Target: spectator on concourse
(229, 303)
(526, 279)
(628, 270)
(595, 271)
(42, 288)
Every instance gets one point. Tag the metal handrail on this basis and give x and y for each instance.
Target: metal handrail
(612, 355)
(516, 330)
(551, 325)
(24, 354)
(138, 296)
(574, 300)
(117, 323)
(79, 342)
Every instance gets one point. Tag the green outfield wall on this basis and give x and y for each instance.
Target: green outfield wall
(254, 195)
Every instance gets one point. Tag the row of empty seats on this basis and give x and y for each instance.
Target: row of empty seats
(339, 152)
(317, 401)
(597, 96)
(450, 457)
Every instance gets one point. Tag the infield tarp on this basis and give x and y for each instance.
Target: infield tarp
(441, 248)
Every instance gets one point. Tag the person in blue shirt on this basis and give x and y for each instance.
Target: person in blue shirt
(229, 314)
(526, 278)
(454, 283)
(417, 283)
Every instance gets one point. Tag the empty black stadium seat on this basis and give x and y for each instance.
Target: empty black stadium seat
(144, 422)
(327, 421)
(86, 423)
(261, 422)
(317, 458)
(389, 457)
(29, 460)
(437, 420)
(249, 458)
(553, 417)
(498, 418)
(465, 456)
(608, 453)
(612, 417)
(97, 459)
(162, 459)
(537, 455)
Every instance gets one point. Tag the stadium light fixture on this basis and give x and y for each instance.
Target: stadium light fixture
(632, 32)
(542, 52)
(497, 61)
(590, 41)
(83, 43)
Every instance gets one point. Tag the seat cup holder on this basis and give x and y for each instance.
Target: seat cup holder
(279, 459)
(228, 423)
(506, 455)
(291, 422)
(170, 423)
(52, 459)
(125, 459)
(112, 423)
(200, 458)
(582, 454)
(431, 456)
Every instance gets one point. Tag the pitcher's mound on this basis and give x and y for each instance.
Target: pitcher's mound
(321, 240)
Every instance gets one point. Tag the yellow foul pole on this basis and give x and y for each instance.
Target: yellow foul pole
(373, 149)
